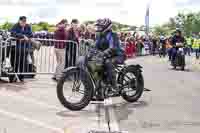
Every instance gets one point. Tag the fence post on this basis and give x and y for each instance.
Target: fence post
(1, 56)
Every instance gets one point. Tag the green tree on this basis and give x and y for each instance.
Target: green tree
(114, 27)
(89, 22)
(160, 30)
(43, 25)
(7, 26)
(35, 27)
(188, 23)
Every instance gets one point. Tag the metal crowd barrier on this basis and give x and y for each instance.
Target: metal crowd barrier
(37, 56)
(1, 41)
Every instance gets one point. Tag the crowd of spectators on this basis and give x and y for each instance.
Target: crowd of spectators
(66, 52)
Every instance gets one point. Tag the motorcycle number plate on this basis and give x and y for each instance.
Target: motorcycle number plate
(181, 49)
(177, 44)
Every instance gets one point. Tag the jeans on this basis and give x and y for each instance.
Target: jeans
(187, 50)
(170, 53)
(174, 53)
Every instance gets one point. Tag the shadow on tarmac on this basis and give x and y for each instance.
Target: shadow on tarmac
(122, 110)
(16, 87)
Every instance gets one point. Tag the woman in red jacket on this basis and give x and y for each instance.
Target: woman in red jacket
(60, 34)
(133, 46)
(127, 48)
(130, 47)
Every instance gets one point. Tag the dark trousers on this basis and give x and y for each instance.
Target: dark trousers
(187, 50)
(19, 61)
(170, 53)
(154, 51)
(174, 53)
(70, 55)
(109, 68)
(197, 52)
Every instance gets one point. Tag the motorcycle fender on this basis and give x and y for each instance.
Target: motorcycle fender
(69, 68)
(136, 67)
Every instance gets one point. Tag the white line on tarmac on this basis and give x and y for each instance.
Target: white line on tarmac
(26, 99)
(42, 91)
(113, 121)
(19, 86)
(26, 119)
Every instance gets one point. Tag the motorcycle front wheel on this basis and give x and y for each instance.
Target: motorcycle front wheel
(79, 83)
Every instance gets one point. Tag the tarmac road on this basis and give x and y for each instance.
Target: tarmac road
(171, 105)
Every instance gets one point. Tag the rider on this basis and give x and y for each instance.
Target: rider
(177, 38)
(108, 42)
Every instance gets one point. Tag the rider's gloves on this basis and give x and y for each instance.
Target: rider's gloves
(108, 53)
(101, 55)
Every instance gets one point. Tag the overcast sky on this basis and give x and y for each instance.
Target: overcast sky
(125, 11)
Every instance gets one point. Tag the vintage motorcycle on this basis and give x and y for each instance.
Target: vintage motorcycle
(91, 82)
(180, 57)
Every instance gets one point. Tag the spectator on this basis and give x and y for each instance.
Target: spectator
(91, 29)
(155, 45)
(139, 46)
(119, 35)
(169, 48)
(71, 48)
(22, 31)
(130, 47)
(60, 34)
(133, 46)
(88, 32)
(84, 35)
(82, 31)
(146, 46)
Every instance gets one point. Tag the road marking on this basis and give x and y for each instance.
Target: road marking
(111, 114)
(25, 99)
(32, 121)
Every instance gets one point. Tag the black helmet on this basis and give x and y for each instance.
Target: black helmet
(22, 18)
(103, 25)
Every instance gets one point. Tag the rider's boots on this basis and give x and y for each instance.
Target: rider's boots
(115, 88)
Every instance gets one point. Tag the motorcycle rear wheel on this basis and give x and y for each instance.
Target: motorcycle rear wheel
(136, 84)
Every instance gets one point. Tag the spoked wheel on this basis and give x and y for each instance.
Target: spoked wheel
(183, 63)
(133, 84)
(74, 90)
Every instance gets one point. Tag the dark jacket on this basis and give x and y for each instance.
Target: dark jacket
(72, 36)
(60, 34)
(177, 39)
(18, 32)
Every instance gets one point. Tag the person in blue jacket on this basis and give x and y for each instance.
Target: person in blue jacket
(108, 43)
(22, 32)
